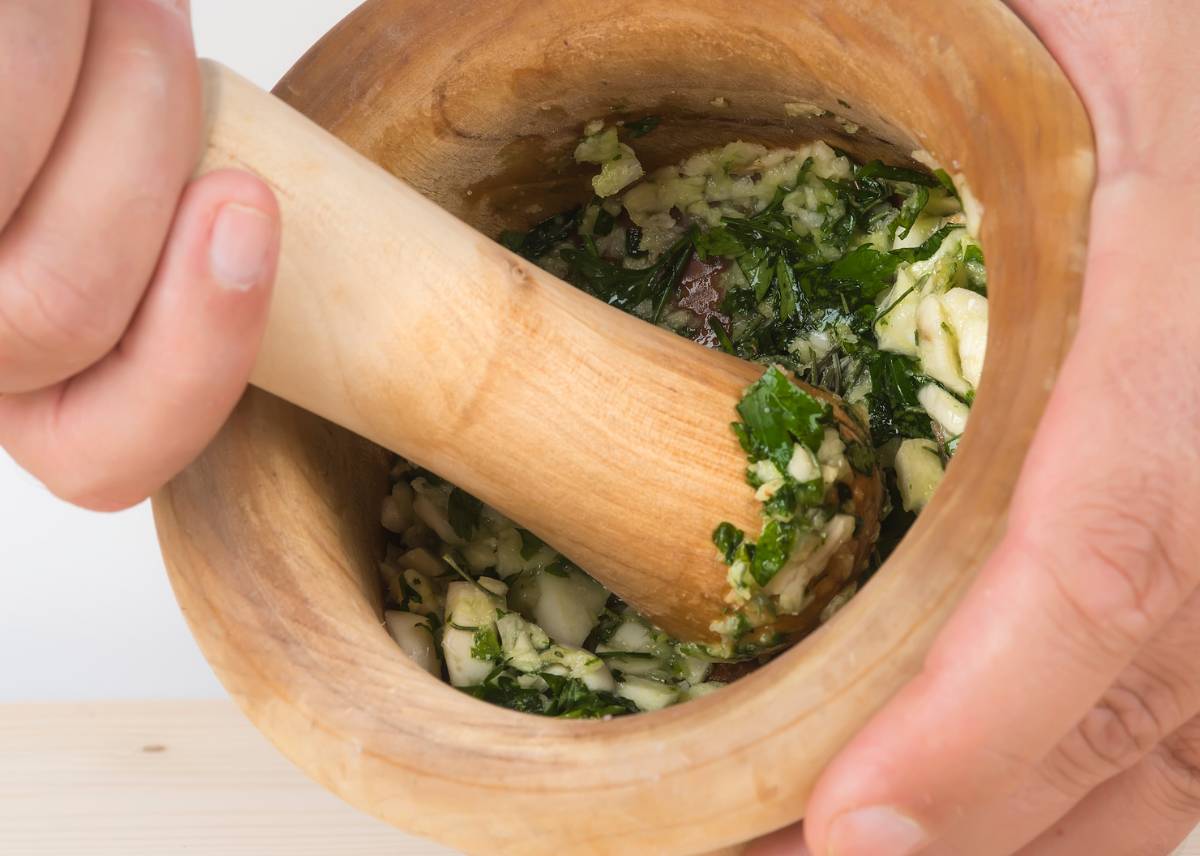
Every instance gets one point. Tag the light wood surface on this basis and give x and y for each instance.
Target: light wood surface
(272, 537)
(148, 778)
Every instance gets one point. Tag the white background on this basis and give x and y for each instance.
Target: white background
(85, 609)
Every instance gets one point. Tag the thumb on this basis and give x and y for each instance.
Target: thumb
(1096, 560)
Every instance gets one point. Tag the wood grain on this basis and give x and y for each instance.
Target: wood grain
(147, 778)
(272, 540)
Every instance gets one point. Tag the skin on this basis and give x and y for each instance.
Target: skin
(1057, 714)
(132, 298)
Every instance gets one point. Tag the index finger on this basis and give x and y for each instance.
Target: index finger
(41, 49)
(76, 256)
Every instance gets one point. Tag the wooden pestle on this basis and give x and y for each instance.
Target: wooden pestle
(604, 435)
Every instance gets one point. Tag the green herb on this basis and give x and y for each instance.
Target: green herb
(718, 330)
(878, 169)
(627, 288)
(728, 538)
(861, 458)
(457, 568)
(776, 415)
(717, 242)
(977, 278)
(530, 544)
(465, 512)
(786, 277)
(945, 181)
(950, 447)
(543, 237)
(610, 621)
(771, 231)
(604, 222)
(501, 688)
(628, 655)
(895, 303)
(792, 497)
(566, 698)
(676, 260)
(556, 569)
(761, 272)
(866, 269)
(909, 212)
(641, 127)
(571, 699)
(486, 644)
(894, 408)
(928, 249)
(860, 195)
(772, 550)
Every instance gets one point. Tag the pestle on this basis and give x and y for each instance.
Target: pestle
(607, 437)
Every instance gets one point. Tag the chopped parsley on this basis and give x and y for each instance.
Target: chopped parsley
(464, 511)
(563, 697)
(642, 127)
(780, 421)
(776, 415)
(803, 261)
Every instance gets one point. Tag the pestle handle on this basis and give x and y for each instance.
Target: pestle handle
(604, 435)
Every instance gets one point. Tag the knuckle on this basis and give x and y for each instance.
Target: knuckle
(1115, 568)
(143, 68)
(1136, 715)
(1127, 723)
(1180, 754)
(152, 59)
(51, 314)
(1123, 558)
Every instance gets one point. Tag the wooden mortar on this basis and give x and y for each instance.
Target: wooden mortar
(272, 537)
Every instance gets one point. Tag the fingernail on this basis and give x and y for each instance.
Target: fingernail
(240, 246)
(875, 832)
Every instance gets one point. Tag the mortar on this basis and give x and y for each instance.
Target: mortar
(272, 537)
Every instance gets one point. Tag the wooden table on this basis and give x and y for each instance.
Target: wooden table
(144, 779)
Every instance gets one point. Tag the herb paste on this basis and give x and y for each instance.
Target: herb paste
(860, 279)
